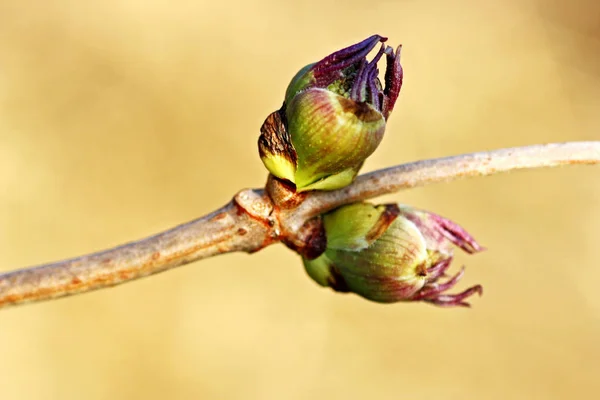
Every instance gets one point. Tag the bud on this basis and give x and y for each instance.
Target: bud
(390, 253)
(333, 117)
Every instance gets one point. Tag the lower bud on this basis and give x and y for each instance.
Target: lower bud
(389, 253)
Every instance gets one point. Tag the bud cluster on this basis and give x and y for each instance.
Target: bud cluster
(333, 117)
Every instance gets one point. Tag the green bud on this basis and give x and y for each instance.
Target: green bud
(389, 253)
(332, 119)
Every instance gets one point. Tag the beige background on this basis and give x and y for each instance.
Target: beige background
(121, 118)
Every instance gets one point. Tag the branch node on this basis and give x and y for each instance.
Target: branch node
(310, 240)
(256, 204)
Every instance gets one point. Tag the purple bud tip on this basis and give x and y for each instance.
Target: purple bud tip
(331, 67)
(359, 78)
(393, 80)
(364, 84)
(433, 291)
(457, 235)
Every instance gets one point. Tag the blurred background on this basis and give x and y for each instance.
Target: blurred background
(122, 118)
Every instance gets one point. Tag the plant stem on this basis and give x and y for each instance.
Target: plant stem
(225, 230)
(425, 172)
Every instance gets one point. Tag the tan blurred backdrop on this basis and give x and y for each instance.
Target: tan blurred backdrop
(121, 118)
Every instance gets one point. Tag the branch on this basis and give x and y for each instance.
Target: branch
(255, 219)
(234, 227)
(425, 172)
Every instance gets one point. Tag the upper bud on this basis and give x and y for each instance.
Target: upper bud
(333, 117)
(391, 253)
